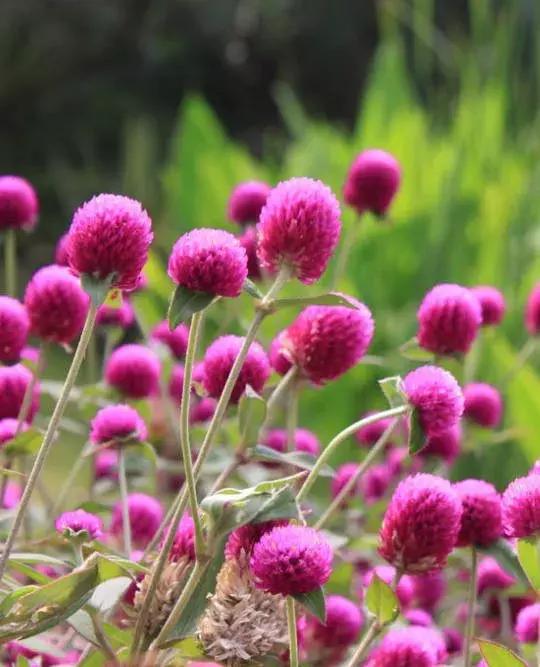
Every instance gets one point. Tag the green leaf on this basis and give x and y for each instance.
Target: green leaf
(381, 601)
(391, 388)
(190, 647)
(529, 559)
(298, 459)
(417, 438)
(28, 442)
(497, 655)
(252, 289)
(327, 299)
(412, 350)
(507, 559)
(251, 416)
(96, 289)
(107, 594)
(184, 302)
(314, 602)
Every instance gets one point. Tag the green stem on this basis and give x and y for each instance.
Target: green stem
(471, 609)
(371, 633)
(292, 417)
(293, 638)
(122, 480)
(279, 392)
(338, 439)
(348, 241)
(48, 438)
(66, 486)
(10, 262)
(522, 358)
(92, 361)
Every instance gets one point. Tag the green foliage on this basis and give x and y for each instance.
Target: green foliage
(382, 602)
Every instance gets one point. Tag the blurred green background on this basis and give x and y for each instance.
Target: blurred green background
(175, 102)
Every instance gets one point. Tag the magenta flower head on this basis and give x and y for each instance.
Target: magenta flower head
(109, 239)
(532, 311)
(492, 304)
(404, 648)
(491, 576)
(117, 424)
(248, 241)
(419, 617)
(209, 260)
(340, 629)
(289, 560)
(387, 573)
(106, 464)
(14, 381)
(429, 589)
(184, 540)
(242, 540)
(122, 317)
(61, 255)
(527, 622)
(372, 182)
(375, 482)
(133, 370)
(176, 382)
(483, 404)
(18, 204)
(304, 441)
(219, 359)
(481, 522)
(75, 524)
(454, 643)
(145, 516)
(436, 396)
(369, 434)
(445, 445)
(279, 355)
(12, 495)
(343, 475)
(9, 428)
(521, 507)
(175, 339)
(202, 410)
(421, 524)
(247, 200)
(449, 318)
(14, 328)
(299, 227)
(56, 303)
(326, 341)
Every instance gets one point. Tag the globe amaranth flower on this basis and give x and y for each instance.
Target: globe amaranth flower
(109, 239)
(248, 241)
(106, 464)
(219, 359)
(39, 658)
(304, 441)
(375, 482)
(481, 521)
(340, 628)
(9, 428)
(299, 227)
(387, 573)
(202, 410)
(280, 357)
(327, 341)
(449, 318)
(247, 200)
(369, 434)
(521, 507)
(243, 539)
(532, 311)
(19, 205)
(445, 445)
(14, 381)
(289, 560)
(492, 304)
(403, 648)
(56, 304)
(421, 524)
(14, 328)
(184, 540)
(436, 397)
(527, 622)
(372, 182)
(429, 588)
(344, 473)
(419, 617)
(483, 404)
(133, 370)
(491, 576)
(72, 524)
(145, 516)
(175, 339)
(61, 255)
(110, 316)
(454, 642)
(176, 383)
(209, 260)
(12, 495)
(116, 424)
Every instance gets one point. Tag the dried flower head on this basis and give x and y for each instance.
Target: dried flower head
(481, 522)
(247, 200)
(372, 182)
(492, 304)
(133, 370)
(18, 203)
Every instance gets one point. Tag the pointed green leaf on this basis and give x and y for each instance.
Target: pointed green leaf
(314, 602)
(28, 442)
(529, 559)
(252, 289)
(184, 302)
(327, 299)
(391, 388)
(298, 459)
(417, 438)
(507, 559)
(381, 601)
(251, 416)
(497, 655)
(412, 350)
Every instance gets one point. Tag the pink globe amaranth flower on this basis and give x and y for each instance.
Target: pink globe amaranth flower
(290, 560)
(449, 318)
(532, 311)
(14, 328)
(445, 445)
(106, 465)
(492, 304)
(175, 339)
(481, 522)
(421, 524)
(327, 341)
(396, 458)
(31, 354)
(248, 241)
(145, 516)
(13, 383)
(535, 469)
(40, 658)
(375, 482)
(343, 475)
(521, 507)
(12, 495)
(403, 648)
(246, 201)
(202, 410)
(109, 239)
(454, 641)
(122, 317)
(61, 255)
(243, 539)
(176, 383)
(429, 589)
(387, 573)
(436, 396)
(372, 182)
(491, 576)
(279, 355)
(369, 434)
(219, 359)
(133, 370)
(9, 428)
(419, 617)
(304, 441)
(56, 304)
(483, 404)
(116, 424)
(18, 203)
(209, 260)
(184, 540)
(73, 523)
(299, 227)
(340, 629)
(527, 621)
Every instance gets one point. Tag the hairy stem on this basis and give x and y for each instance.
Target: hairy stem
(126, 521)
(371, 633)
(471, 609)
(278, 394)
(293, 639)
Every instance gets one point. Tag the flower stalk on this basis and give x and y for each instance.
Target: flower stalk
(471, 608)
(126, 521)
(293, 638)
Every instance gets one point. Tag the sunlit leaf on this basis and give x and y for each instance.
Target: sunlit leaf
(381, 601)
(497, 655)
(529, 559)
(327, 299)
(391, 388)
(412, 350)
(28, 443)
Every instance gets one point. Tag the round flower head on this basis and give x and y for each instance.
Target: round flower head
(521, 507)
(483, 404)
(56, 304)
(304, 441)
(175, 339)
(375, 482)
(243, 539)
(145, 516)
(247, 200)
(280, 357)
(72, 524)
(248, 241)
(122, 317)
(532, 311)
(527, 621)
(341, 627)
(209, 260)
(38, 658)
(481, 522)
(429, 589)
(326, 341)
(445, 445)
(369, 434)
(491, 576)
(448, 318)
(109, 239)
(13, 383)
(14, 327)
(299, 227)
(419, 617)
(454, 642)
(421, 524)
(343, 475)
(18, 203)
(133, 370)
(106, 465)
(12, 495)
(184, 540)
(436, 396)
(219, 359)
(9, 428)
(535, 469)
(202, 410)
(372, 182)
(61, 256)
(116, 424)
(492, 304)
(403, 648)
(176, 382)
(289, 560)
(387, 573)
